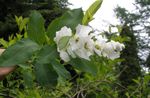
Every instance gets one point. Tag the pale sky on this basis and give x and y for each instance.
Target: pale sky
(105, 14)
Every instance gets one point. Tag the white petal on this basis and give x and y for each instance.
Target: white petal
(64, 56)
(82, 30)
(71, 52)
(82, 53)
(63, 32)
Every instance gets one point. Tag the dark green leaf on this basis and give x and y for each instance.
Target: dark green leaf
(60, 69)
(47, 54)
(70, 19)
(84, 65)
(27, 74)
(18, 53)
(45, 74)
(36, 30)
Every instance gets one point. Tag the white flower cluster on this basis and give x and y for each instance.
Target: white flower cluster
(85, 43)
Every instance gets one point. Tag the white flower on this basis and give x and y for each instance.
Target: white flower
(59, 35)
(81, 44)
(62, 33)
(70, 51)
(84, 44)
(99, 44)
(112, 49)
(64, 56)
(83, 31)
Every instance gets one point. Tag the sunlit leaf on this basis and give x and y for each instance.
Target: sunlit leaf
(91, 11)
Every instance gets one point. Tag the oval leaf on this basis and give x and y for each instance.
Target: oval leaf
(36, 30)
(18, 53)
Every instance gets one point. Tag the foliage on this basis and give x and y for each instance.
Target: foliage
(21, 22)
(42, 73)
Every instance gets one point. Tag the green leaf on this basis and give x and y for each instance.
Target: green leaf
(36, 30)
(27, 74)
(63, 42)
(84, 65)
(45, 74)
(4, 43)
(70, 19)
(60, 69)
(18, 53)
(49, 55)
(91, 11)
(21, 22)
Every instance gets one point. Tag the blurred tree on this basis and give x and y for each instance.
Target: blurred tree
(50, 9)
(140, 22)
(129, 68)
(143, 7)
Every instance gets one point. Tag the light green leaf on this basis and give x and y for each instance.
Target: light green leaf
(70, 19)
(18, 53)
(91, 11)
(36, 29)
(63, 42)
(21, 22)
(4, 43)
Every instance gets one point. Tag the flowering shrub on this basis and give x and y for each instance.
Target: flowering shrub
(84, 43)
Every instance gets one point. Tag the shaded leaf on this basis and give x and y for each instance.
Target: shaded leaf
(60, 69)
(84, 65)
(36, 29)
(45, 75)
(49, 55)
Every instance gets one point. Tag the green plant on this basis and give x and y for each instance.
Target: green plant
(45, 75)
